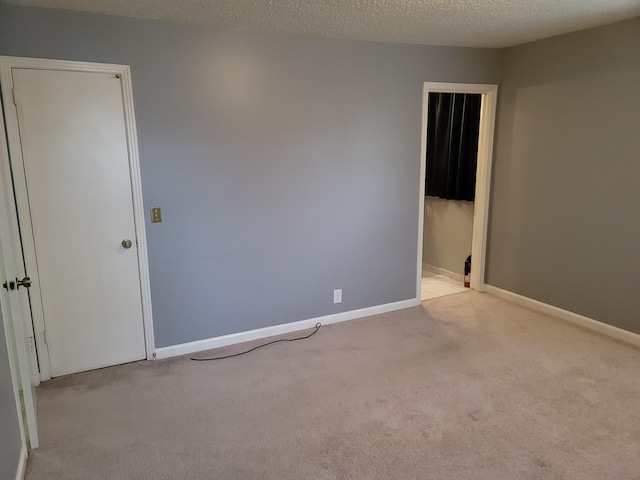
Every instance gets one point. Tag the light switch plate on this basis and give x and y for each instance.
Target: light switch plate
(156, 215)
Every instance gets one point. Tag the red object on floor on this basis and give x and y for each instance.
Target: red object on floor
(467, 272)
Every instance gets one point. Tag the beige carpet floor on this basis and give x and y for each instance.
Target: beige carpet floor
(465, 386)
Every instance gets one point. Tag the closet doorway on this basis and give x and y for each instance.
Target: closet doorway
(455, 170)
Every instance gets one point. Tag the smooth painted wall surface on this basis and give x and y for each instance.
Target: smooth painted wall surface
(10, 439)
(285, 166)
(565, 207)
(448, 230)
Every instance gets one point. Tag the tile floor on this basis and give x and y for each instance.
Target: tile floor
(434, 285)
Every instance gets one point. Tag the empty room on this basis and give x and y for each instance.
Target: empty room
(251, 240)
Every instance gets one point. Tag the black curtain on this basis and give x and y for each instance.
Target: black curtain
(452, 145)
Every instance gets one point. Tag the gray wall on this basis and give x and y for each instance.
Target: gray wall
(564, 222)
(285, 166)
(448, 231)
(10, 440)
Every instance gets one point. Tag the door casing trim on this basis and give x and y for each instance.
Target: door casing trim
(22, 203)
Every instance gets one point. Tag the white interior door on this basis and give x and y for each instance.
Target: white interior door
(76, 166)
(14, 315)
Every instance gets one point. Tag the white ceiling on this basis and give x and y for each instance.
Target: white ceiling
(470, 23)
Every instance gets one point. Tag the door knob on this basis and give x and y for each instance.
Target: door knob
(126, 243)
(25, 282)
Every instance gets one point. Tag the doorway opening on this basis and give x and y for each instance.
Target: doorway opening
(455, 170)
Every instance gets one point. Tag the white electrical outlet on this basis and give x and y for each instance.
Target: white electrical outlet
(337, 296)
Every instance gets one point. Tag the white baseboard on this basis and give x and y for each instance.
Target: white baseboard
(580, 320)
(241, 337)
(22, 464)
(442, 271)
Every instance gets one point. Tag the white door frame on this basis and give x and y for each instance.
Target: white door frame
(19, 183)
(483, 174)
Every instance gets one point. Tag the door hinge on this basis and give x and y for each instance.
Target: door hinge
(15, 97)
(44, 335)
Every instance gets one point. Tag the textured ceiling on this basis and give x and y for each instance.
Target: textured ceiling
(471, 23)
